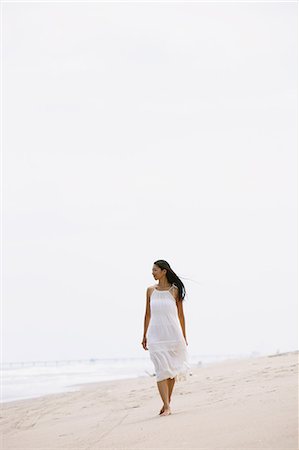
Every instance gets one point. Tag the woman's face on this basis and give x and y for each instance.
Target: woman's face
(157, 272)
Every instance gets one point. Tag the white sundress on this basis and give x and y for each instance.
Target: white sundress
(165, 340)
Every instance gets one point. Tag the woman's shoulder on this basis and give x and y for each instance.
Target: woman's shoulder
(151, 288)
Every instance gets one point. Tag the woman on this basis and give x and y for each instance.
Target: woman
(164, 330)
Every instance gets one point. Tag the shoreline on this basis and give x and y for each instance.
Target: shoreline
(249, 403)
(77, 386)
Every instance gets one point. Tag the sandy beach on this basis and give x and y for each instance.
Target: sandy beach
(237, 404)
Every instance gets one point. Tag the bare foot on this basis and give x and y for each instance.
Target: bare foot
(166, 412)
(162, 409)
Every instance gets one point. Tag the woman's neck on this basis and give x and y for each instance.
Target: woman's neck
(164, 285)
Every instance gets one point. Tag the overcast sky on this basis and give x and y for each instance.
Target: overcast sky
(141, 131)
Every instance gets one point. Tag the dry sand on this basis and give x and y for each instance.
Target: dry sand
(238, 404)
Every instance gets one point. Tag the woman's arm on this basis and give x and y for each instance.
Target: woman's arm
(179, 305)
(147, 316)
(182, 321)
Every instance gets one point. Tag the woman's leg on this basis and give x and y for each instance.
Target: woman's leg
(163, 390)
(170, 382)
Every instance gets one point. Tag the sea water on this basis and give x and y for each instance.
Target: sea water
(25, 380)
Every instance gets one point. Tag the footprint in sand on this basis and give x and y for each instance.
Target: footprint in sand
(134, 406)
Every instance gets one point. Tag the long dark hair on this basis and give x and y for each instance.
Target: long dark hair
(172, 277)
